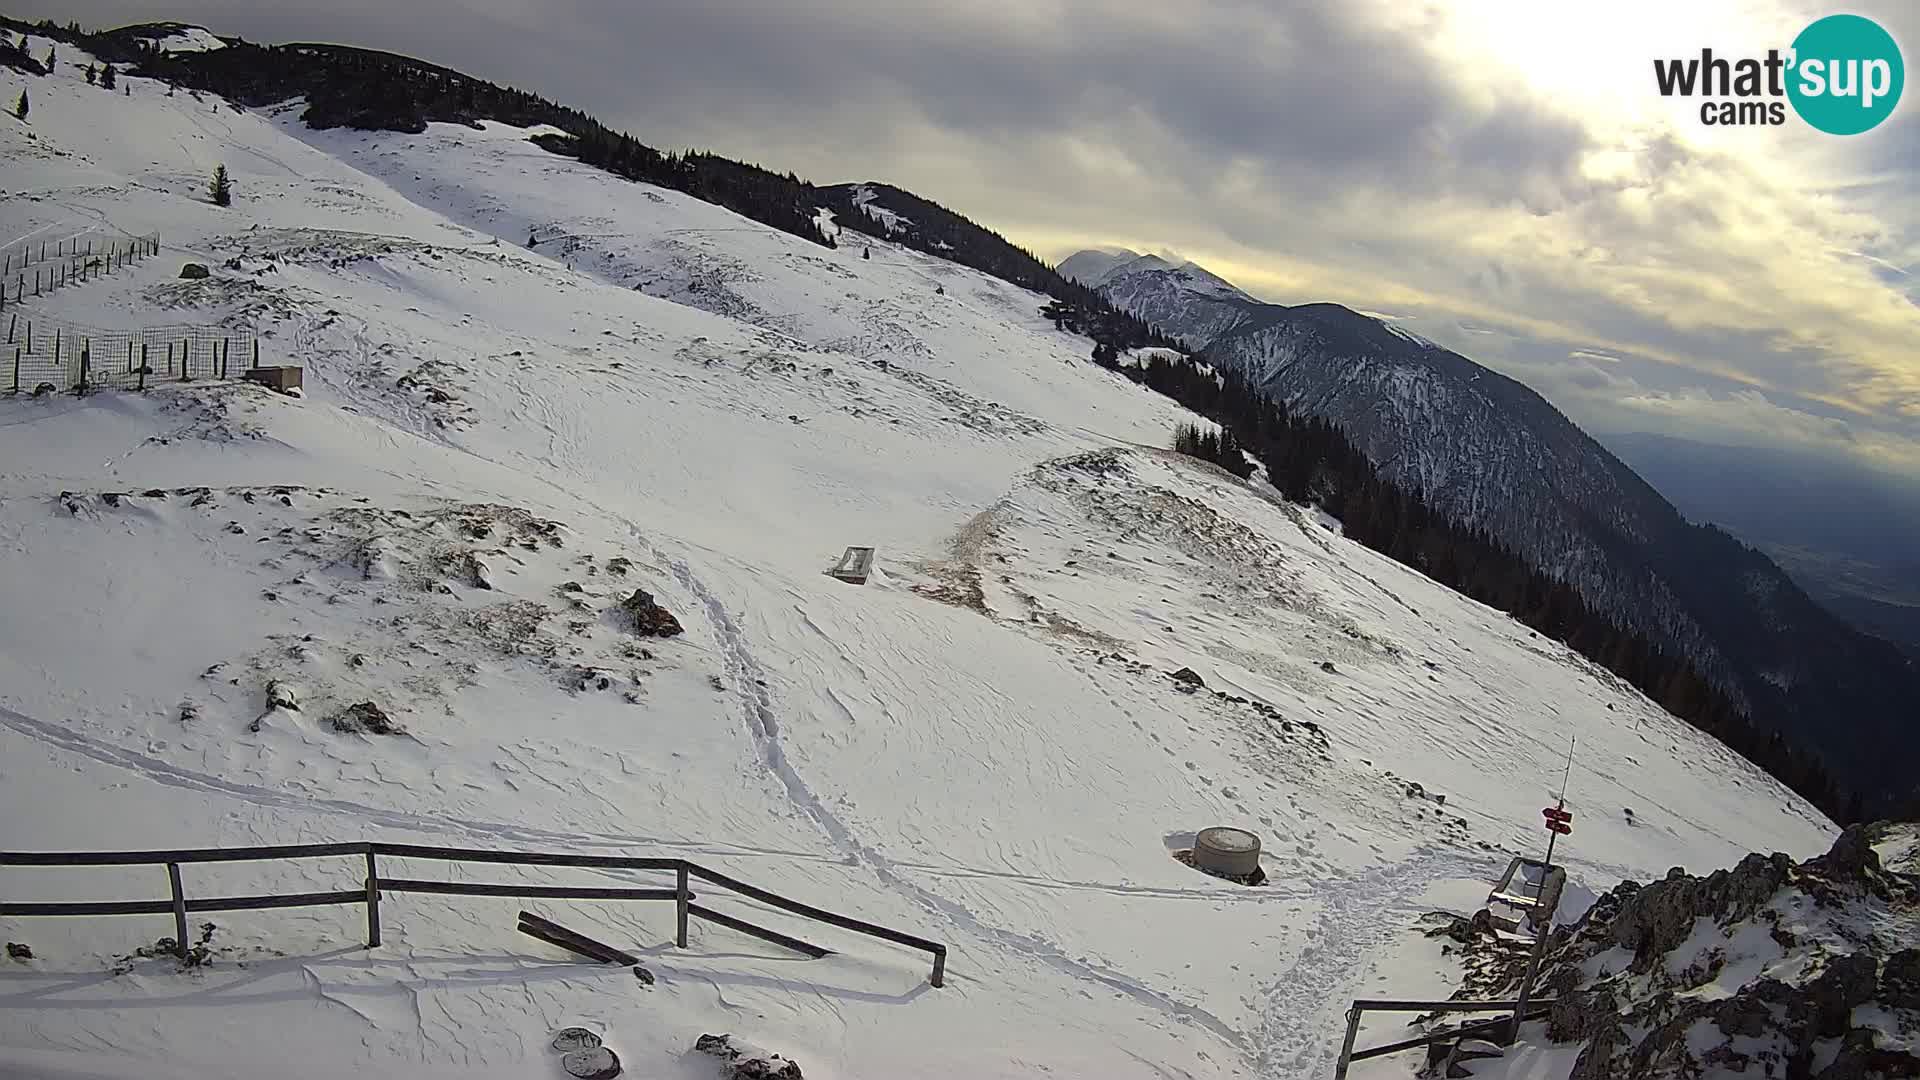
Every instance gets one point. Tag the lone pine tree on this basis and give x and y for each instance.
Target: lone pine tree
(20, 107)
(220, 188)
(106, 77)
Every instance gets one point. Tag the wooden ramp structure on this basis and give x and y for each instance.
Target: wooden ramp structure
(855, 566)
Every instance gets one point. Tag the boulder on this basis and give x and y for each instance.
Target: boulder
(195, 272)
(1188, 677)
(745, 1061)
(18, 951)
(649, 619)
(367, 718)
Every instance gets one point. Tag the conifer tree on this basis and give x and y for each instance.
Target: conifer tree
(220, 188)
(20, 106)
(107, 77)
(93, 75)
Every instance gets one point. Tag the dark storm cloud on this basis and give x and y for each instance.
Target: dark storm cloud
(1285, 88)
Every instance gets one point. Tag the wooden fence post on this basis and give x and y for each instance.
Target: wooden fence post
(144, 369)
(129, 356)
(16, 369)
(179, 910)
(256, 352)
(373, 901)
(680, 905)
(13, 324)
(86, 361)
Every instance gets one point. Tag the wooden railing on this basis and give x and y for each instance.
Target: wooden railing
(374, 886)
(1519, 1011)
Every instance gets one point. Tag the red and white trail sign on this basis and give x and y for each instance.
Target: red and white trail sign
(1558, 820)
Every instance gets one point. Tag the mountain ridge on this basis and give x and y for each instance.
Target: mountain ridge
(1493, 453)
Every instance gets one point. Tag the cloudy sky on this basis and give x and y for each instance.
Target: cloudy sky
(1500, 173)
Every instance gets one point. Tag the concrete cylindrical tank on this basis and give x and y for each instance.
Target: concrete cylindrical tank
(1225, 851)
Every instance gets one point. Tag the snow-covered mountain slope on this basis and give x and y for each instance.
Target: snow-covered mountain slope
(1090, 267)
(984, 744)
(1188, 302)
(1490, 452)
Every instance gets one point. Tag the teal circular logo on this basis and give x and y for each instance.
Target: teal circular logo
(1846, 74)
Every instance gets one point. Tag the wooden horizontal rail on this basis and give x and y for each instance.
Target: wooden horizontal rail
(254, 903)
(186, 855)
(817, 914)
(374, 885)
(551, 892)
(1442, 1006)
(211, 903)
(761, 932)
(107, 907)
(523, 858)
(1465, 1031)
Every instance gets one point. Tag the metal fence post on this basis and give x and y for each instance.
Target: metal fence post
(16, 369)
(373, 900)
(680, 905)
(939, 968)
(179, 910)
(144, 369)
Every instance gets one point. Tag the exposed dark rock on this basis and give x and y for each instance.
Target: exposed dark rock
(366, 717)
(17, 950)
(195, 272)
(1577, 1017)
(1188, 677)
(1900, 981)
(1848, 982)
(747, 1063)
(649, 618)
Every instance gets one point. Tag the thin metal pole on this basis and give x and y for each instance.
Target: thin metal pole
(373, 902)
(179, 910)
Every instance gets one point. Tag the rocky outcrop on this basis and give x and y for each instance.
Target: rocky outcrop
(1771, 969)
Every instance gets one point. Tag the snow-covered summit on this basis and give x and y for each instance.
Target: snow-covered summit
(1076, 650)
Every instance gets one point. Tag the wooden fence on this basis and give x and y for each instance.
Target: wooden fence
(33, 270)
(44, 352)
(1518, 1011)
(371, 889)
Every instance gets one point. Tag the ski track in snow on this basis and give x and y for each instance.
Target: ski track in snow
(748, 676)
